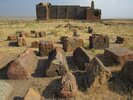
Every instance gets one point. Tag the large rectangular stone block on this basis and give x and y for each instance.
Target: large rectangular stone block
(96, 74)
(45, 47)
(23, 66)
(81, 57)
(98, 41)
(57, 63)
(118, 55)
(70, 44)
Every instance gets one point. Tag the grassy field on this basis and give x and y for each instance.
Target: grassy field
(54, 30)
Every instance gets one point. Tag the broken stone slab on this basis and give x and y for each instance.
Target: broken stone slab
(81, 57)
(45, 47)
(127, 72)
(57, 63)
(118, 55)
(96, 74)
(98, 41)
(21, 41)
(23, 65)
(67, 87)
(32, 95)
(70, 44)
(5, 90)
(35, 44)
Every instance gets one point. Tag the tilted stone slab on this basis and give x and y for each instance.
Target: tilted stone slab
(57, 63)
(81, 57)
(127, 72)
(96, 74)
(5, 90)
(23, 65)
(45, 47)
(98, 41)
(70, 44)
(32, 95)
(118, 55)
(67, 87)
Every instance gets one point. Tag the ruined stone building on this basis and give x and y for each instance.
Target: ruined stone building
(47, 11)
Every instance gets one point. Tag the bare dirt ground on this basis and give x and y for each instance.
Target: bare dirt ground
(116, 89)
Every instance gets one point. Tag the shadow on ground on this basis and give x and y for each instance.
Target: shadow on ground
(106, 62)
(50, 91)
(41, 68)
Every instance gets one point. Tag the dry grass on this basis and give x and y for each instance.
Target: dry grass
(54, 30)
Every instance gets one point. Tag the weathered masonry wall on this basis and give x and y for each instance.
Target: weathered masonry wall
(47, 11)
(67, 12)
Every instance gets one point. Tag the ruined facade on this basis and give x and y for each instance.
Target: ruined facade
(47, 11)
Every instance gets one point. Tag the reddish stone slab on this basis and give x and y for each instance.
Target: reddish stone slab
(57, 63)
(68, 87)
(119, 55)
(70, 44)
(45, 47)
(81, 57)
(96, 74)
(23, 65)
(35, 44)
(98, 41)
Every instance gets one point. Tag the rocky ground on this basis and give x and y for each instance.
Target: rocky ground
(115, 89)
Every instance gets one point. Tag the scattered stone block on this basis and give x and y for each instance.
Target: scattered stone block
(70, 44)
(57, 63)
(99, 41)
(45, 47)
(35, 44)
(5, 90)
(67, 87)
(12, 38)
(22, 66)
(96, 74)
(40, 34)
(21, 41)
(23, 34)
(81, 57)
(90, 30)
(120, 40)
(63, 38)
(118, 55)
(32, 95)
(127, 72)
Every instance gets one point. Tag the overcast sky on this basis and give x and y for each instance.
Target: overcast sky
(110, 8)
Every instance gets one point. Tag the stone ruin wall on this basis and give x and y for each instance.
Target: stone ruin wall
(48, 11)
